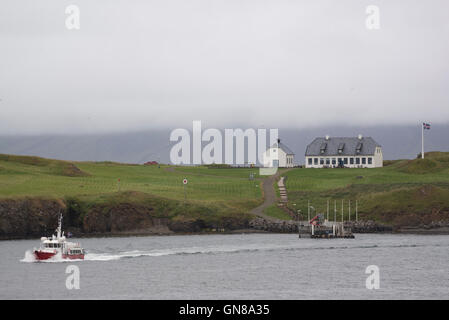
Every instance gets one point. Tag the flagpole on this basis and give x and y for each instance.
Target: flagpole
(422, 141)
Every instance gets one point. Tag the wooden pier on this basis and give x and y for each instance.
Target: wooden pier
(327, 230)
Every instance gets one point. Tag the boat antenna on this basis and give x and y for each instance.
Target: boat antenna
(58, 230)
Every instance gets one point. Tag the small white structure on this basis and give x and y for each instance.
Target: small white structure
(350, 152)
(278, 155)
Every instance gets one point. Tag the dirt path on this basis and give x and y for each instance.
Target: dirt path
(269, 192)
(269, 195)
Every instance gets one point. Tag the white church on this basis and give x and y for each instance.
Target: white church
(278, 155)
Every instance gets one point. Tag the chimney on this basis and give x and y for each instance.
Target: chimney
(279, 140)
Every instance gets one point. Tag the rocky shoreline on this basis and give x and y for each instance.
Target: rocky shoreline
(366, 226)
(290, 226)
(277, 228)
(33, 218)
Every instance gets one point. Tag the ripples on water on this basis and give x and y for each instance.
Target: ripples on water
(253, 266)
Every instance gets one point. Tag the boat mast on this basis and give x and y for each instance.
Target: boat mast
(59, 229)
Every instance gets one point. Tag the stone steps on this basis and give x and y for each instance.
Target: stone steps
(282, 190)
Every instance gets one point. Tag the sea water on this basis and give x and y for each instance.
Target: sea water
(239, 266)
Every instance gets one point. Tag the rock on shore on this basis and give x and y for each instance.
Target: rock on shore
(275, 225)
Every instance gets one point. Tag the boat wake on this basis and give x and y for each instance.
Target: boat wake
(163, 252)
(111, 256)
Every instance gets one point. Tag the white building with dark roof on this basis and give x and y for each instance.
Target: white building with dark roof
(278, 155)
(351, 152)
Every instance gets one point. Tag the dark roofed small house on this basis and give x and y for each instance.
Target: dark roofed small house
(351, 152)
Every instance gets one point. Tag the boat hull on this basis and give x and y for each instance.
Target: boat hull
(73, 256)
(43, 255)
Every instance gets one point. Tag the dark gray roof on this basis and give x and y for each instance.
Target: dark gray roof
(283, 147)
(348, 146)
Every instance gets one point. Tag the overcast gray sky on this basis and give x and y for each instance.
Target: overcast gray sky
(137, 65)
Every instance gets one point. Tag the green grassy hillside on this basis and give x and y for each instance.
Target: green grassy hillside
(404, 191)
(33, 176)
(216, 196)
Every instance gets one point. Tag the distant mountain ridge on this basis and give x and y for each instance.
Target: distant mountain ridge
(398, 142)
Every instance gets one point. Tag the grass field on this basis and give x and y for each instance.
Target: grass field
(405, 189)
(402, 191)
(275, 212)
(211, 194)
(32, 176)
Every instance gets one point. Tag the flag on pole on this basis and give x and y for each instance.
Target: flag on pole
(425, 126)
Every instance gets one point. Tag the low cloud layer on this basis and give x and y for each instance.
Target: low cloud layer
(161, 64)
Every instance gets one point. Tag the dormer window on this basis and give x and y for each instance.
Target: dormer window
(341, 146)
(358, 149)
(323, 147)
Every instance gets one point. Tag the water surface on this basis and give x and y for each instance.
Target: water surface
(247, 266)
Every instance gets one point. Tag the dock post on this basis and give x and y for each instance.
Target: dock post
(349, 204)
(335, 211)
(342, 212)
(308, 210)
(299, 232)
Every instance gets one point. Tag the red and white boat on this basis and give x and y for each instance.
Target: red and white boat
(57, 244)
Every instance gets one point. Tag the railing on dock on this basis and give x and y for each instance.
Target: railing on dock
(326, 230)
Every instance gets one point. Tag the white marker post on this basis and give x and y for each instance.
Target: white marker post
(184, 182)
